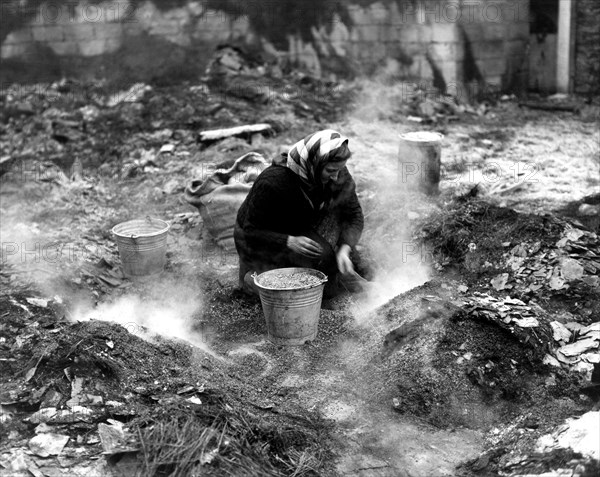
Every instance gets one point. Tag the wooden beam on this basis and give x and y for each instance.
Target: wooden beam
(217, 134)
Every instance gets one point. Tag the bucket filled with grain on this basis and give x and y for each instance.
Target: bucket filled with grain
(291, 301)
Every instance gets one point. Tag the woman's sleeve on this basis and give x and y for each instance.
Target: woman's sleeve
(264, 209)
(352, 217)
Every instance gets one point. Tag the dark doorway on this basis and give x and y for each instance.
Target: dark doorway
(543, 45)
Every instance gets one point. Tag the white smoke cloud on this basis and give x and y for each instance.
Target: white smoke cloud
(164, 307)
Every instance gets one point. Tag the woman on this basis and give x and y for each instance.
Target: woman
(302, 213)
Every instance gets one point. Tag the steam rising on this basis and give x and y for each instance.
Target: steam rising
(168, 310)
(399, 261)
(160, 307)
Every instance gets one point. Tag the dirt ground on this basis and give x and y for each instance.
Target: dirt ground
(463, 391)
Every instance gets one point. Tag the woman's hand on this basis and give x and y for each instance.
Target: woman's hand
(343, 260)
(304, 246)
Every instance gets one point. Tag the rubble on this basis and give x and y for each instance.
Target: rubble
(99, 158)
(581, 434)
(47, 444)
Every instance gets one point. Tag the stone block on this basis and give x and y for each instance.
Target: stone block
(516, 48)
(414, 48)
(425, 33)
(113, 44)
(99, 47)
(165, 29)
(209, 36)
(474, 32)
(449, 70)
(47, 33)
(180, 39)
(424, 71)
(495, 31)
(493, 67)
(368, 33)
(407, 33)
(93, 48)
(458, 85)
(446, 51)
(445, 33)
(488, 49)
(24, 35)
(13, 50)
(518, 30)
(108, 30)
(132, 29)
(378, 51)
(79, 32)
(384, 34)
(64, 48)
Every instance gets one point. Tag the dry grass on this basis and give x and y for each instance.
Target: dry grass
(217, 439)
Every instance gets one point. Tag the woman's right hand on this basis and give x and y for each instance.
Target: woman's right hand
(304, 246)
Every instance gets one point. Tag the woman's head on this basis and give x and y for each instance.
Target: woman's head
(319, 157)
(333, 163)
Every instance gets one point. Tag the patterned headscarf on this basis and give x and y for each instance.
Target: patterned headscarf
(305, 158)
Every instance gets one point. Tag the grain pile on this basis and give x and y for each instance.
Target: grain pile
(282, 280)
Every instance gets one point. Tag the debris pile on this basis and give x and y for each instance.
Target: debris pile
(511, 314)
(47, 127)
(574, 259)
(570, 344)
(80, 390)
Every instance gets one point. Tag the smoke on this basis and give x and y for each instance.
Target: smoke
(388, 283)
(399, 266)
(165, 307)
(398, 262)
(50, 264)
(377, 101)
(27, 254)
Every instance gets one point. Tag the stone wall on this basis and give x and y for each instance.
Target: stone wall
(449, 42)
(119, 40)
(587, 46)
(499, 41)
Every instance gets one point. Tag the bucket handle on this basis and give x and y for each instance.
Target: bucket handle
(149, 220)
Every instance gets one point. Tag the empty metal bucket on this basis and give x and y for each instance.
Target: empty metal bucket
(291, 314)
(142, 246)
(419, 161)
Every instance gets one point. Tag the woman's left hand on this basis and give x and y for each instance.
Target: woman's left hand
(343, 260)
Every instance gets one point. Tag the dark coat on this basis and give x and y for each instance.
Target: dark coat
(277, 207)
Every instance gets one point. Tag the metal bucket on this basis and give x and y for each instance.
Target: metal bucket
(142, 246)
(292, 314)
(419, 161)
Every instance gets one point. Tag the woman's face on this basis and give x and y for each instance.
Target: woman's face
(331, 171)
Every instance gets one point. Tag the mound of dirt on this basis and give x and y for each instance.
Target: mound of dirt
(80, 379)
(487, 344)
(460, 371)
